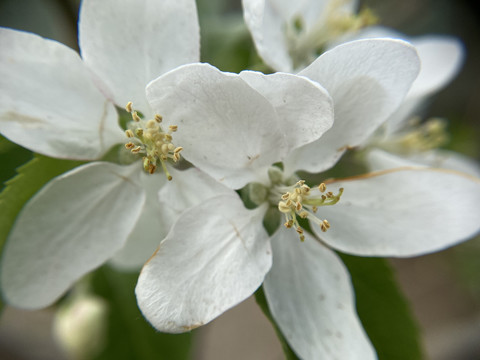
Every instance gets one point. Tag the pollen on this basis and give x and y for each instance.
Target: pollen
(147, 138)
(301, 201)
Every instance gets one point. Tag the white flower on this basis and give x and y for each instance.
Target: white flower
(218, 252)
(403, 140)
(289, 34)
(55, 103)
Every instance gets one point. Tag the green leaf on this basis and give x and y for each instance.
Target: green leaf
(262, 302)
(383, 310)
(129, 334)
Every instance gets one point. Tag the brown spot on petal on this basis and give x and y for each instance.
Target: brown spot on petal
(191, 327)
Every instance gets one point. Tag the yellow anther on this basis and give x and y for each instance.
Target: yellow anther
(151, 168)
(135, 116)
(301, 202)
(149, 139)
(283, 207)
(325, 225)
(298, 206)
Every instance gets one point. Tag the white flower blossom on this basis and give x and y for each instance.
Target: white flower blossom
(288, 35)
(56, 103)
(218, 252)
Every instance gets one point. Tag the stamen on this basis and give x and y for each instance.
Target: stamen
(147, 137)
(301, 202)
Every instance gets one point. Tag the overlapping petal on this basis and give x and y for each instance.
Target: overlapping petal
(53, 243)
(268, 21)
(367, 80)
(129, 43)
(215, 256)
(226, 128)
(311, 298)
(304, 108)
(49, 103)
(165, 201)
(405, 212)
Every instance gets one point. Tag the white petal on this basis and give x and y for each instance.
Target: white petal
(402, 212)
(267, 21)
(72, 226)
(267, 29)
(215, 256)
(165, 202)
(129, 43)
(225, 127)
(441, 58)
(311, 298)
(367, 80)
(381, 160)
(151, 227)
(304, 108)
(48, 101)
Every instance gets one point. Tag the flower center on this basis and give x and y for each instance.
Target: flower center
(146, 137)
(302, 201)
(417, 137)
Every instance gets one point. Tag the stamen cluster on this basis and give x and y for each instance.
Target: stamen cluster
(148, 138)
(302, 201)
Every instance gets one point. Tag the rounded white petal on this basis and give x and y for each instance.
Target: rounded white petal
(311, 298)
(49, 104)
(406, 212)
(266, 26)
(215, 256)
(129, 43)
(445, 159)
(367, 80)
(304, 108)
(72, 226)
(442, 58)
(226, 128)
(164, 203)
